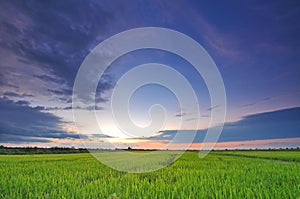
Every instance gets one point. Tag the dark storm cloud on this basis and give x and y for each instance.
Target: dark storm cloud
(20, 121)
(269, 125)
(53, 35)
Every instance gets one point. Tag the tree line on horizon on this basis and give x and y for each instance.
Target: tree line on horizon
(65, 150)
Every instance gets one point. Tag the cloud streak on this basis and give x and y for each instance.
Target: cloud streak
(265, 99)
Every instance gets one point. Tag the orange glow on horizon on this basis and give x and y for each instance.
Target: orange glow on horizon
(222, 145)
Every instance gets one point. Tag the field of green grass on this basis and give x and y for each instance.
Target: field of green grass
(241, 174)
(290, 156)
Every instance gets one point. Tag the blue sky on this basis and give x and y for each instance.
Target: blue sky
(255, 45)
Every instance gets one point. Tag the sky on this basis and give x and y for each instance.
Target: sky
(255, 46)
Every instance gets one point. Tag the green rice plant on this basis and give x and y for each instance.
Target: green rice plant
(216, 176)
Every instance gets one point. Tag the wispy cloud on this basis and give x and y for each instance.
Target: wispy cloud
(66, 108)
(213, 107)
(265, 99)
(16, 95)
(180, 114)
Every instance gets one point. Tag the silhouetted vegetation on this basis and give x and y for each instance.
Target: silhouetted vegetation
(37, 150)
(65, 150)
